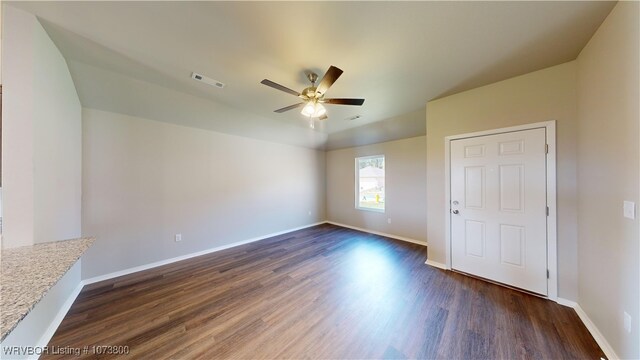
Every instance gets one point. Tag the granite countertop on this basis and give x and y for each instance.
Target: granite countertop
(28, 272)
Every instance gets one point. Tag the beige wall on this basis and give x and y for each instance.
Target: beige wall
(548, 94)
(405, 175)
(41, 155)
(145, 181)
(608, 148)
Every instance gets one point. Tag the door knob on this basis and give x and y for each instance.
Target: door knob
(455, 212)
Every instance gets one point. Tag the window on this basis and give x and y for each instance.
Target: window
(370, 183)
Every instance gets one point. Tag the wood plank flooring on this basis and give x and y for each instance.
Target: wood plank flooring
(323, 292)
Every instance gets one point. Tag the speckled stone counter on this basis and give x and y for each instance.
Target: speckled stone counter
(28, 272)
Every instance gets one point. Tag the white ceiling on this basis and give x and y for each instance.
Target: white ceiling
(396, 55)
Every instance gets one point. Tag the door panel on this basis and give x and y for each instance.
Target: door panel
(474, 187)
(498, 203)
(474, 238)
(512, 245)
(511, 184)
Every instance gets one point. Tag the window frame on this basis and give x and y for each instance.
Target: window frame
(357, 183)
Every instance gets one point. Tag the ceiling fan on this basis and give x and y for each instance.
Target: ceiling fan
(313, 97)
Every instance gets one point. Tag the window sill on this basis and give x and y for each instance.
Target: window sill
(370, 209)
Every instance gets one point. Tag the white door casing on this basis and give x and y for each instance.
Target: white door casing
(499, 208)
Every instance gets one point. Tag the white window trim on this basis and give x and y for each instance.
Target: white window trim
(552, 241)
(356, 185)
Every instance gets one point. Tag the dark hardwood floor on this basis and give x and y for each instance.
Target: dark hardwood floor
(324, 292)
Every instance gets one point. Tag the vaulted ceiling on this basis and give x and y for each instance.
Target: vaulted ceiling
(137, 58)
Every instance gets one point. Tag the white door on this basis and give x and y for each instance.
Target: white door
(499, 208)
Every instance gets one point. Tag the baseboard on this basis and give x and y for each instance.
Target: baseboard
(152, 265)
(567, 303)
(397, 237)
(436, 264)
(593, 329)
(57, 320)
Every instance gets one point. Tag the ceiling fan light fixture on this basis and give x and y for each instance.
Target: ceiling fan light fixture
(313, 110)
(320, 110)
(308, 109)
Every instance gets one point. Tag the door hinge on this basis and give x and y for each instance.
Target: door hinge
(547, 211)
(546, 148)
(547, 273)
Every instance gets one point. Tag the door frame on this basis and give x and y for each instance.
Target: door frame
(552, 246)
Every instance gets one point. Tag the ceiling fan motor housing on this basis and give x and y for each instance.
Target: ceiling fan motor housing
(309, 93)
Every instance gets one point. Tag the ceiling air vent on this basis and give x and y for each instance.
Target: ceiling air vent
(207, 80)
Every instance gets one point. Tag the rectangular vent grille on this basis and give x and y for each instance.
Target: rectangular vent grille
(207, 80)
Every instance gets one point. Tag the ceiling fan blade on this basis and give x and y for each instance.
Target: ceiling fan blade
(329, 78)
(344, 101)
(323, 117)
(279, 87)
(290, 107)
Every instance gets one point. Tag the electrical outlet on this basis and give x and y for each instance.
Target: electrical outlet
(627, 322)
(178, 237)
(388, 220)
